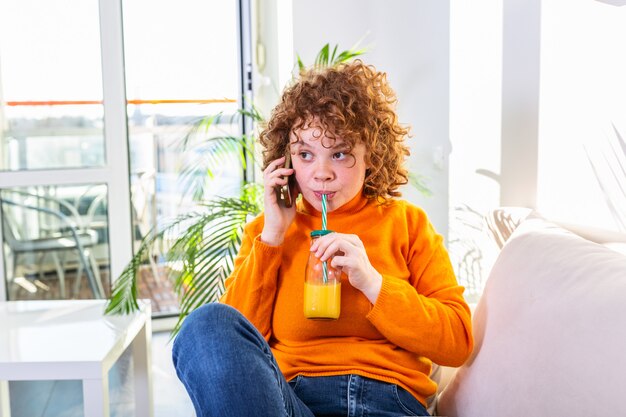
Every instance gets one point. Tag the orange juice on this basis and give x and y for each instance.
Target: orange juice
(322, 301)
(322, 286)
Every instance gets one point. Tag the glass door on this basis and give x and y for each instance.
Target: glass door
(93, 110)
(64, 179)
(182, 68)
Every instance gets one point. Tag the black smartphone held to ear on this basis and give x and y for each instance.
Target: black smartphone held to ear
(283, 193)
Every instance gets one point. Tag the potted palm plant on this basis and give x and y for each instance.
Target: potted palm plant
(206, 240)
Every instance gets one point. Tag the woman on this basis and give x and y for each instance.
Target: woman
(401, 308)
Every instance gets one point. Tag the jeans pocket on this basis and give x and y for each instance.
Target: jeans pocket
(408, 402)
(295, 382)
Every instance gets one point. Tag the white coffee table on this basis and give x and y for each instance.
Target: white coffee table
(72, 339)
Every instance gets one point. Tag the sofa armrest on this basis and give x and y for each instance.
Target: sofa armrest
(445, 374)
(549, 330)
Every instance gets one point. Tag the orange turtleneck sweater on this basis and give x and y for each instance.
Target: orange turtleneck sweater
(420, 314)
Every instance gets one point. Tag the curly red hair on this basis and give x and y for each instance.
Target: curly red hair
(354, 102)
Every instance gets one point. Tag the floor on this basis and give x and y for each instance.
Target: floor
(159, 290)
(64, 398)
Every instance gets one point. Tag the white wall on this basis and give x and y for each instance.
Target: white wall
(409, 40)
(272, 47)
(521, 68)
(475, 132)
(475, 102)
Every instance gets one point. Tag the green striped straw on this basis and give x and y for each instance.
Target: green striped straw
(324, 265)
(324, 211)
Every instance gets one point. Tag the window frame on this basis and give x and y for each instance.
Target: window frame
(115, 174)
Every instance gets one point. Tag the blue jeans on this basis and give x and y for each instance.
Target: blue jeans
(228, 370)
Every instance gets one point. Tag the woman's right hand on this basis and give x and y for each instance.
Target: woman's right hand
(277, 217)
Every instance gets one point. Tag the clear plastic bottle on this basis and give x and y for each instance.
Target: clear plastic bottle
(322, 291)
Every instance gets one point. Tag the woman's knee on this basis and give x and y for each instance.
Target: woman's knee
(210, 316)
(209, 325)
(211, 341)
(207, 321)
(200, 335)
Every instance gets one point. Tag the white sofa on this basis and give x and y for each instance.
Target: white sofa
(549, 329)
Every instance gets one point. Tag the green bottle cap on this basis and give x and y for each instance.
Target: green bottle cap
(318, 233)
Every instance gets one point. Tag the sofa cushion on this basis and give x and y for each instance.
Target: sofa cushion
(550, 331)
(617, 247)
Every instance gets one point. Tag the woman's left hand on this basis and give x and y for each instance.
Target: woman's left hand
(348, 253)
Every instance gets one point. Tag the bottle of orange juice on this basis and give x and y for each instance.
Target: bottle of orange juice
(322, 286)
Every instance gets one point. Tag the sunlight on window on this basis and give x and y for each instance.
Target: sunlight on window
(181, 68)
(51, 113)
(583, 114)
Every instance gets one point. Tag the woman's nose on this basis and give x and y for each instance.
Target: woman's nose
(323, 171)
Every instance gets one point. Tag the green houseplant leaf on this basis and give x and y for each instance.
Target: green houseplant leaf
(211, 151)
(325, 58)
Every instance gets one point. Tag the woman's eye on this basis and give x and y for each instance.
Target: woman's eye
(305, 155)
(340, 156)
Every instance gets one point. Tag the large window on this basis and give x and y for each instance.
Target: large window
(55, 233)
(56, 241)
(96, 97)
(182, 67)
(51, 85)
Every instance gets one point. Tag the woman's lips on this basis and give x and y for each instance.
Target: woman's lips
(319, 194)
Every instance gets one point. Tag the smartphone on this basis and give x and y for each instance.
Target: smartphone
(283, 193)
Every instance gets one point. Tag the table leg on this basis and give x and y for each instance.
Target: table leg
(142, 362)
(5, 399)
(96, 397)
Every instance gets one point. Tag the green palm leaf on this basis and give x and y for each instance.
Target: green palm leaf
(206, 246)
(419, 182)
(208, 250)
(211, 147)
(325, 58)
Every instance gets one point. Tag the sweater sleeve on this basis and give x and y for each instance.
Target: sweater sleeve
(251, 287)
(426, 314)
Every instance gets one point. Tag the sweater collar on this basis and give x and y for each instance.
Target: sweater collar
(357, 203)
